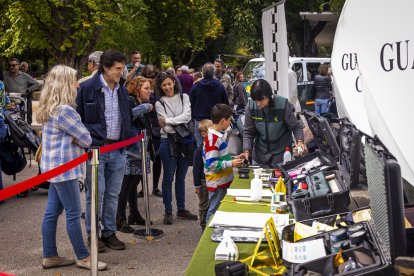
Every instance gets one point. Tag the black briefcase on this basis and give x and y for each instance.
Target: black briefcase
(380, 240)
(313, 205)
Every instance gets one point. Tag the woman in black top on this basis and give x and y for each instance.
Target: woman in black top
(139, 88)
(323, 87)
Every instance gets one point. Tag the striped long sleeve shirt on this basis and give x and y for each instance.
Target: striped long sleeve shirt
(217, 161)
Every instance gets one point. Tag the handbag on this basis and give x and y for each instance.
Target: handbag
(184, 130)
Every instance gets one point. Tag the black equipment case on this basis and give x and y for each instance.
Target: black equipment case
(385, 233)
(350, 153)
(329, 154)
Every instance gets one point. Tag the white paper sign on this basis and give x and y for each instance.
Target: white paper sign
(301, 252)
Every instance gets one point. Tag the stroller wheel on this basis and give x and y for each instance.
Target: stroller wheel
(23, 194)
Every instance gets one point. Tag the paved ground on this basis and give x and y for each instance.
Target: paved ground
(21, 241)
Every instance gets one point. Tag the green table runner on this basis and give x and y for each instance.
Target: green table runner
(203, 261)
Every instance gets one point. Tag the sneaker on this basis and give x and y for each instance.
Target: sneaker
(56, 261)
(157, 192)
(87, 264)
(141, 194)
(101, 245)
(185, 214)
(168, 219)
(113, 242)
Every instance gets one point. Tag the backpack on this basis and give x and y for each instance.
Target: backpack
(12, 158)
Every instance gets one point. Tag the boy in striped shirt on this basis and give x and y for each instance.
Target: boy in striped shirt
(218, 164)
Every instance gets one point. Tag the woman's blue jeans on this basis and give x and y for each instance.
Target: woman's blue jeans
(177, 166)
(321, 106)
(63, 196)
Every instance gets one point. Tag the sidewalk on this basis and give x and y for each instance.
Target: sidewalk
(21, 243)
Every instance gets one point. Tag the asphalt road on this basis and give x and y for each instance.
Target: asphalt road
(21, 240)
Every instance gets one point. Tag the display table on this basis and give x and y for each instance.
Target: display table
(203, 261)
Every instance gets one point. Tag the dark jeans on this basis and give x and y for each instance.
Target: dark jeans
(128, 194)
(173, 166)
(156, 172)
(203, 205)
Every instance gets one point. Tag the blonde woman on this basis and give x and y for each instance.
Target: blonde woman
(64, 138)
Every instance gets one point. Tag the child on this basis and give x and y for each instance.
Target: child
(218, 165)
(198, 174)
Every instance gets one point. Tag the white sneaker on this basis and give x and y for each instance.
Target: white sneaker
(87, 265)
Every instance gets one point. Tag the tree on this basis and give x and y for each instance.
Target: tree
(181, 29)
(129, 33)
(68, 30)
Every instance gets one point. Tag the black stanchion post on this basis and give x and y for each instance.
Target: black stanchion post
(93, 155)
(147, 233)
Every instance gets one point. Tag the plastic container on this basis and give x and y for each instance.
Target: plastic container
(287, 156)
(256, 186)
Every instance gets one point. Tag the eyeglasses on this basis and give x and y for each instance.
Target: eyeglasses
(13, 65)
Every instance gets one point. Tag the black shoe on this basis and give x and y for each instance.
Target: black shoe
(168, 219)
(138, 220)
(113, 242)
(125, 229)
(122, 226)
(140, 194)
(101, 245)
(185, 214)
(157, 192)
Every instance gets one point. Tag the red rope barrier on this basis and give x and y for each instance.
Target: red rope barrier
(39, 179)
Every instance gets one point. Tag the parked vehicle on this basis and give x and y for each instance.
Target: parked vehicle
(306, 68)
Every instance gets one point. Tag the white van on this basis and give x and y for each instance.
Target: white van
(306, 68)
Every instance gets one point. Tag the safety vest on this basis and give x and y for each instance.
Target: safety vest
(273, 133)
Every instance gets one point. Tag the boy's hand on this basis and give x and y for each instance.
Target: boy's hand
(237, 162)
(198, 192)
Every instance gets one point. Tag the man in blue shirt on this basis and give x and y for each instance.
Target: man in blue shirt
(104, 108)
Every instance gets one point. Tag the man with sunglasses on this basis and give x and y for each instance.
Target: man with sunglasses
(19, 82)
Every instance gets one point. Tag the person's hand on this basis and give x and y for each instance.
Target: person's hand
(244, 155)
(162, 122)
(198, 192)
(300, 149)
(237, 162)
(136, 65)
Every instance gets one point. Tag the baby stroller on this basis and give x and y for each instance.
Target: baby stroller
(21, 134)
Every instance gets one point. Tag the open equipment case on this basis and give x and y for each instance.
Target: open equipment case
(342, 162)
(384, 236)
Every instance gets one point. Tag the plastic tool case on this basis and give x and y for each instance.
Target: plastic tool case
(385, 235)
(336, 201)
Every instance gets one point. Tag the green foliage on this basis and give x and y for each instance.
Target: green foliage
(128, 31)
(68, 30)
(182, 28)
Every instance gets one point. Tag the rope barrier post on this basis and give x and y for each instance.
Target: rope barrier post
(93, 157)
(147, 233)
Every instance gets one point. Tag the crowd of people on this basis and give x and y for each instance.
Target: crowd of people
(186, 116)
